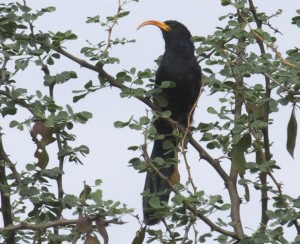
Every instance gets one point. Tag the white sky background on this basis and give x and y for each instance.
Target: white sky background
(108, 158)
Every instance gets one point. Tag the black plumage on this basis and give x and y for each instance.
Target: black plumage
(180, 66)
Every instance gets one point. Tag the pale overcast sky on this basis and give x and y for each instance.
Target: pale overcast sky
(108, 158)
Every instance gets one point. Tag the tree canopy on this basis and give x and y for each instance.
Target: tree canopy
(252, 80)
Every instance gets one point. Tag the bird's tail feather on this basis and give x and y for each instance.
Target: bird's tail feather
(157, 186)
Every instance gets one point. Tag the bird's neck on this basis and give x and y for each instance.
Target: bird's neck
(182, 47)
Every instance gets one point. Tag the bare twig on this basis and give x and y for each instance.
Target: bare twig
(110, 29)
(169, 231)
(186, 231)
(183, 142)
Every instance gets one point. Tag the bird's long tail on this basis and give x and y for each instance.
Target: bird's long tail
(157, 186)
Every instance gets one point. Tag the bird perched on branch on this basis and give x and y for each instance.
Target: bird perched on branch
(180, 66)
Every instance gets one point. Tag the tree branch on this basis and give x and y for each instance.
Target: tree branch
(267, 154)
(46, 225)
(11, 165)
(6, 209)
(20, 102)
(115, 83)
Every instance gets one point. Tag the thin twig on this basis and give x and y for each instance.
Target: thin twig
(190, 117)
(110, 29)
(169, 231)
(183, 142)
(186, 231)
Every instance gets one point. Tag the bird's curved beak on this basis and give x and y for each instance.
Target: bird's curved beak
(159, 24)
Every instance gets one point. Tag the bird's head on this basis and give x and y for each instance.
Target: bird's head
(177, 37)
(171, 29)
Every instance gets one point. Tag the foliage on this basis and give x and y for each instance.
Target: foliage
(243, 67)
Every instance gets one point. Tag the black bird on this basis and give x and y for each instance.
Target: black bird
(180, 66)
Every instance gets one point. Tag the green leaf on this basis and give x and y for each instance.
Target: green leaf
(97, 196)
(21, 64)
(28, 191)
(178, 199)
(39, 94)
(49, 80)
(144, 120)
(137, 164)
(69, 125)
(70, 200)
(133, 70)
(154, 202)
(83, 149)
(88, 85)
(77, 98)
(30, 167)
(140, 236)
(133, 148)
(123, 14)
(98, 182)
(120, 124)
(50, 61)
(211, 110)
(202, 238)
(13, 123)
(69, 108)
(85, 116)
(15, 93)
(291, 133)
(165, 114)
(167, 84)
(225, 2)
(61, 116)
(258, 124)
